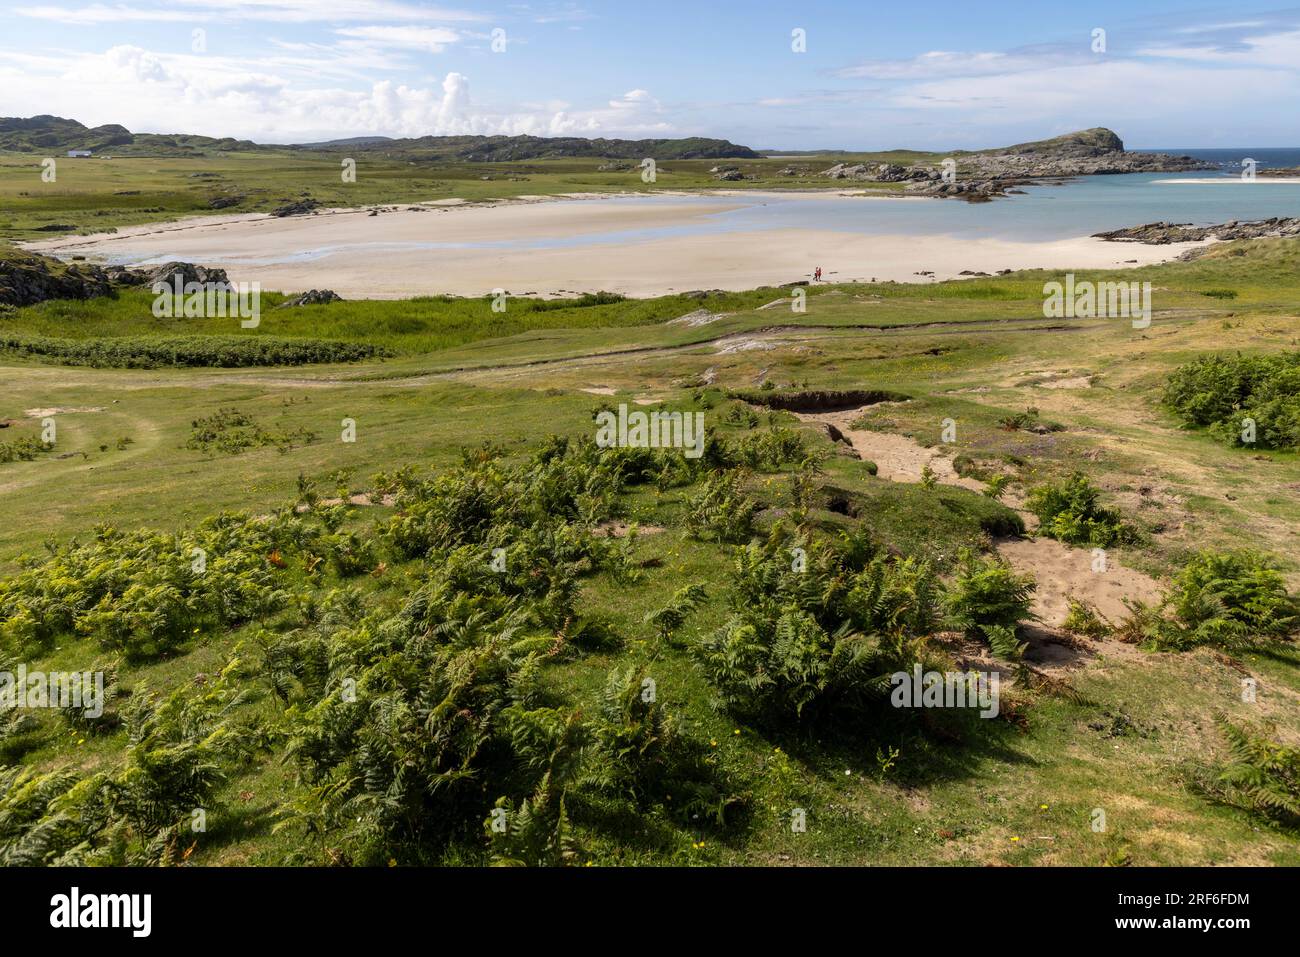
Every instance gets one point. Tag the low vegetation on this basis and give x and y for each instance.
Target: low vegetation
(130, 352)
(1247, 400)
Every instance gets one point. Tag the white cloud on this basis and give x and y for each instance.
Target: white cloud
(282, 11)
(429, 39)
(940, 63)
(1276, 50)
(283, 99)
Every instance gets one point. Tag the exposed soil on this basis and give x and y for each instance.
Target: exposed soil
(1064, 572)
(897, 458)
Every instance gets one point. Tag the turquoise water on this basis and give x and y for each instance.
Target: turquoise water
(1084, 206)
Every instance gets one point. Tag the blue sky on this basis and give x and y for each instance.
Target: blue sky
(874, 75)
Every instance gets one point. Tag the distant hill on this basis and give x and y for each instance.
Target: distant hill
(1093, 142)
(488, 149)
(54, 134)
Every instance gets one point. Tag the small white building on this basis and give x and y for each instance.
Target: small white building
(79, 154)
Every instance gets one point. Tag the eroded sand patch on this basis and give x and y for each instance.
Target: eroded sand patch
(897, 457)
(1064, 573)
(61, 410)
(700, 317)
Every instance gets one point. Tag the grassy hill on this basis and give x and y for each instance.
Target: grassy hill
(351, 682)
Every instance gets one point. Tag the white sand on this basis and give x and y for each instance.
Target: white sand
(390, 256)
(1229, 181)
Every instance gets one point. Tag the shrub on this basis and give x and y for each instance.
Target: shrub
(822, 640)
(1262, 777)
(24, 449)
(1219, 391)
(147, 352)
(721, 508)
(672, 616)
(987, 596)
(1083, 619)
(1070, 511)
(1229, 598)
(231, 431)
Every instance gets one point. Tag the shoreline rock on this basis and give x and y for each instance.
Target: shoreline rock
(1162, 234)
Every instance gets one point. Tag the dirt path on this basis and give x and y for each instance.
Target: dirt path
(1062, 571)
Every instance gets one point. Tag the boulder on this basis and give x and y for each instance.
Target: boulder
(313, 297)
(168, 272)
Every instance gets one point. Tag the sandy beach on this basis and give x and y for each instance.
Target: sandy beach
(573, 245)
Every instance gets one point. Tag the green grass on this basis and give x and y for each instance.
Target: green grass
(101, 194)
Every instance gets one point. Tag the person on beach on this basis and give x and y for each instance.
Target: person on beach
(817, 274)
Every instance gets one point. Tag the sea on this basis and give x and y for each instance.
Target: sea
(1080, 207)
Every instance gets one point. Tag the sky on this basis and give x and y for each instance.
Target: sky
(867, 75)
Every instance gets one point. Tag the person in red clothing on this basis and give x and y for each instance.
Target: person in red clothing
(817, 274)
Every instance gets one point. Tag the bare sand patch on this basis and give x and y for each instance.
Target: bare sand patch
(1063, 573)
(618, 529)
(1072, 382)
(61, 410)
(359, 498)
(897, 457)
(700, 317)
(746, 344)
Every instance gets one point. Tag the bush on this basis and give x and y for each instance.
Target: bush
(1070, 511)
(1083, 619)
(820, 640)
(24, 449)
(987, 598)
(1263, 776)
(231, 431)
(722, 508)
(1231, 598)
(146, 594)
(1219, 391)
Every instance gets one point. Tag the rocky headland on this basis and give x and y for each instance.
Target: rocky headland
(979, 177)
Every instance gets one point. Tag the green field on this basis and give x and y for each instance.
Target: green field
(371, 496)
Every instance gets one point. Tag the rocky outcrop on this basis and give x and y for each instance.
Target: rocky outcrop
(1162, 234)
(313, 297)
(978, 177)
(1286, 172)
(27, 280)
(188, 272)
(300, 207)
